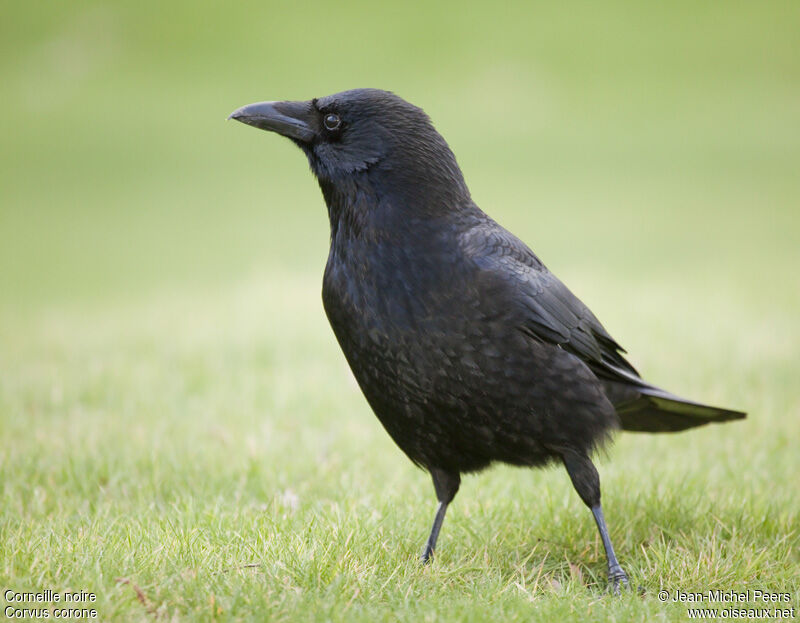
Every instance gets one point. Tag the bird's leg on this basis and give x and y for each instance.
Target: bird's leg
(446, 485)
(430, 544)
(615, 573)
(584, 478)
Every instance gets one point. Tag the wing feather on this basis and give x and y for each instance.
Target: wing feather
(551, 312)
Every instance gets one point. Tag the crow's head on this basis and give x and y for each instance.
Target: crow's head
(371, 136)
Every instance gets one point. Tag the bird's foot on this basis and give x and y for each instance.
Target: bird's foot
(427, 555)
(617, 579)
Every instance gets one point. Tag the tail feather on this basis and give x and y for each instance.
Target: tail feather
(658, 411)
(645, 408)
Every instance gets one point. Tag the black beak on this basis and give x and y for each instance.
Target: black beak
(290, 119)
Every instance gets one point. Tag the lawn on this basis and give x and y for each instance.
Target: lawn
(180, 435)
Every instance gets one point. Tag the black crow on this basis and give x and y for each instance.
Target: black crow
(466, 347)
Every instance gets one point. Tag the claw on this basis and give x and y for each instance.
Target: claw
(616, 578)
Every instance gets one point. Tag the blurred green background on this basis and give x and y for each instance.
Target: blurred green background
(163, 348)
(637, 139)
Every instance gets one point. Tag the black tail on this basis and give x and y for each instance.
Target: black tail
(644, 408)
(657, 411)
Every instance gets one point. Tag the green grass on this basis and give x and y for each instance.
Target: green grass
(179, 433)
(175, 447)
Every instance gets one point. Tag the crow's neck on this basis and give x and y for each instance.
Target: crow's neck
(380, 203)
(348, 203)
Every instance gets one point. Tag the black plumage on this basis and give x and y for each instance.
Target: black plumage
(467, 348)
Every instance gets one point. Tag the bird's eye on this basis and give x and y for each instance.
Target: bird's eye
(332, 122)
